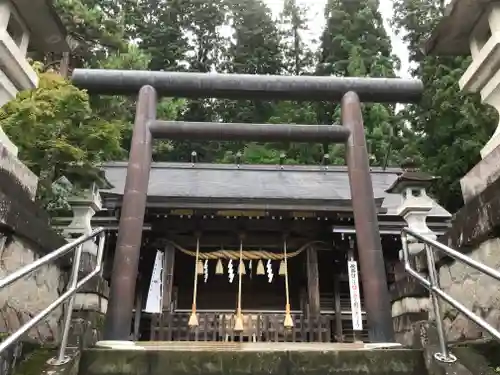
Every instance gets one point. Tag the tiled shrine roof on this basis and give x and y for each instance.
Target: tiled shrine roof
(293, 187)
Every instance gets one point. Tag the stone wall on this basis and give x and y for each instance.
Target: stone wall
(474, 232)
(476, 291)
(28, 296)
(90, 307)
(410, 303)
(26, 235)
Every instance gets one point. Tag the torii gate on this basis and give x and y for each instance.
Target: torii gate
(350, 91)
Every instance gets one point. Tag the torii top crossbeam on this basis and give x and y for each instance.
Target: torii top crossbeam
(246, 86)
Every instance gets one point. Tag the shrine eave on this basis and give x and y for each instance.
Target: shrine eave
(388, 225)
(451, 37)
(265, 187)
(111, 201)
(48, 33)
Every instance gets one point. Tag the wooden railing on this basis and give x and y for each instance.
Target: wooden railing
(258, 327)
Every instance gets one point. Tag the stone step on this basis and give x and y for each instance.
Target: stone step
(242, 359)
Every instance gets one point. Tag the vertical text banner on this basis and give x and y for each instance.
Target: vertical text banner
(154, 303)
(357, 318)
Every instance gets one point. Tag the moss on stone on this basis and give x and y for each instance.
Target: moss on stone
(161, 362)
(488, 350)
(34, 362)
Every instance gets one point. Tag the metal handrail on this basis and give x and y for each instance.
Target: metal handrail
(69, 295)
(432, 284)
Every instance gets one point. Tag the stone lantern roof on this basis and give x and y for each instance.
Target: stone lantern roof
(416, 204)
(411, 178)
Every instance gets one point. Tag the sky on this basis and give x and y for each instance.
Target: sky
(316, 22)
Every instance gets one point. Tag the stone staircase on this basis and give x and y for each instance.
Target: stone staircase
(191, 358)
(268, 359)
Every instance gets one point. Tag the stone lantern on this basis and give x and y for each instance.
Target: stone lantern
(90, 304)
(84, 204)
(416, 204)
(411, 302)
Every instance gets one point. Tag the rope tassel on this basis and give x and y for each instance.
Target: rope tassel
(282, 271)
(193, 319)
(219, 268)
(238, 323)
(288, 323)
(199, 267)
(260, 268)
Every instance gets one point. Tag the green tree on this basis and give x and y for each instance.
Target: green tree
(355, 43)
(183, 35)
(452, 126)
(298, 60)
(97, 27)
(207, 45)
(58, 134)
(255, 49)
(121, 109)
(297, 53)
(159, 27)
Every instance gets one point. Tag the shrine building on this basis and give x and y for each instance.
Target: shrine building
(273, 241)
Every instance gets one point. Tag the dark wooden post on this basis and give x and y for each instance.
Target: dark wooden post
(138, 314)
(371, 258)
(338, 309)
(313, 294)
(313, 282)
(168, 277)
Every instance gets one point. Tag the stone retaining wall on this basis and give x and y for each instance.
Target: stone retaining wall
(27, 297)
(26, 235)
(476, 291)
(410, 302)
(89, 309)
(30, 295)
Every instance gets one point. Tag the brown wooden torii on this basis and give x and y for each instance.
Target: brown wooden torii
(350, 91)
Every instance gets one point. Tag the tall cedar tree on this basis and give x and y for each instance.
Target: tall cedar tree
(298, 60)
(201, 24)
(355, 44)
(159, 27)
(255, 48)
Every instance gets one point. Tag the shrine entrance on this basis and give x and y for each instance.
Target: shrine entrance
(264, 299)
(286, 288)
(234, 86)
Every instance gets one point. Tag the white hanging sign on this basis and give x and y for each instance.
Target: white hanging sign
(155, 296)
(357, 317)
